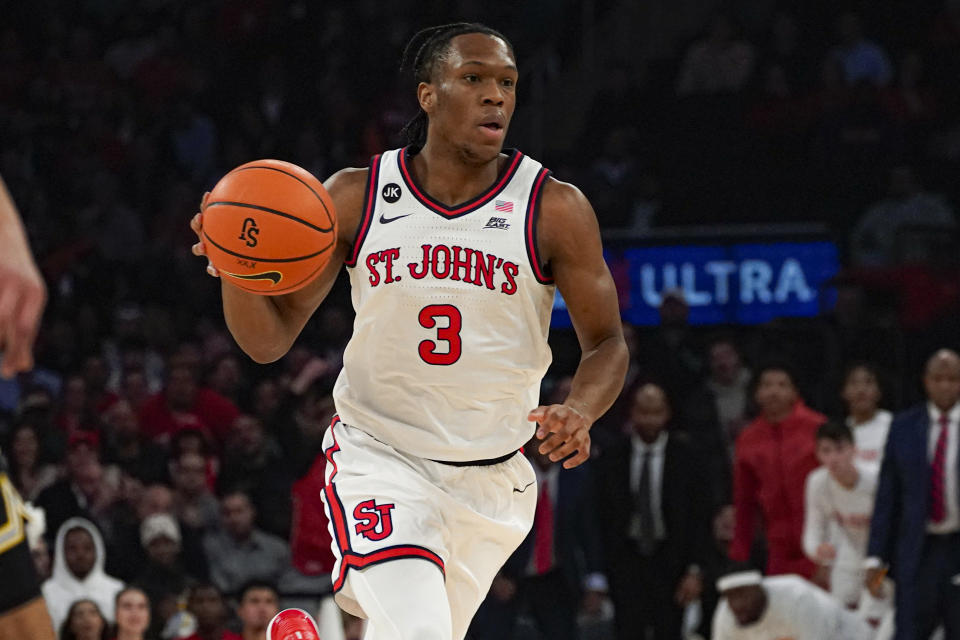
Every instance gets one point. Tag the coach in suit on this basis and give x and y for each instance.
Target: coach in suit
(556, 570)
(916, 518)
(654, 508)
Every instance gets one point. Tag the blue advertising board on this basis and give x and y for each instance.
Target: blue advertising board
(735, 283)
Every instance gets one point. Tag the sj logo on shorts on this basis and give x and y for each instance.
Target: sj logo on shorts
(373, 520)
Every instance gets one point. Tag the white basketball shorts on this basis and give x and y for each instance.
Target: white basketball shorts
(384, 504)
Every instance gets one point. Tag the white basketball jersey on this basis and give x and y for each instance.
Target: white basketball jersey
(449, 344)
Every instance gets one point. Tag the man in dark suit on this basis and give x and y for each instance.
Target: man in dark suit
(916, 519)
(556, 570)
(655, 521)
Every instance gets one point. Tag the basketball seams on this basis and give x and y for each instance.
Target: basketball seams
(298, 179)
(258, 259)
(275, 212)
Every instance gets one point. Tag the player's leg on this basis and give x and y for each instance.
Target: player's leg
(488, 511)
(404, 599)
(30, 620)
(23, 613)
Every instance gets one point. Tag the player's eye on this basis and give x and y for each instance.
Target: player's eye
(471, 77)
(508, 82)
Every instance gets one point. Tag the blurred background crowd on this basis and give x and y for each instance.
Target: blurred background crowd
(194, 471)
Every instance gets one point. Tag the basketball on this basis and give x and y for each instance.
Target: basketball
(269, 227)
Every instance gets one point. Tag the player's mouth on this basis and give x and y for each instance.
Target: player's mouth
(491, 129)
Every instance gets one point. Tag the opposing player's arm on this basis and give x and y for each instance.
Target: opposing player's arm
(265, 327)
(22, 291)
(569, 241)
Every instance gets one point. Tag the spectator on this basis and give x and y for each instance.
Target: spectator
(839, 504)
(719, 63)
(672, 352)
(40, 552)
(79, 557)
(716, 564)
(84, 621)
(254, 464)
(125, 447)
(133, 614)
(226, 377)
(183, 403)
(206, 604)
(194, 503)
(773, 456)
(86, 490)
(163, 577)
(259, 602)
(239, 552)
(869, 423)
(555, 572)
(862, 59)
(878, 238)
(916, 519)
(27, 469)
(729, 383)
(656, 519)
(756, 608)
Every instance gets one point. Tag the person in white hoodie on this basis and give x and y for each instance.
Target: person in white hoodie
(78, 572)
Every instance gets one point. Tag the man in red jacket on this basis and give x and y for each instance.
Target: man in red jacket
(184, 403)
(773, 456)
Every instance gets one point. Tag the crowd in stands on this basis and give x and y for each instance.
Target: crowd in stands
(179, 479)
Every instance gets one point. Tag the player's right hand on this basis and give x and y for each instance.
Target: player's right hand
(199, 249)
(874, 581)
(23, 296)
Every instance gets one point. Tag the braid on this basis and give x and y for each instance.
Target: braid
(425, 50)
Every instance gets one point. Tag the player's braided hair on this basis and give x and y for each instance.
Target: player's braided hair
(425, 50)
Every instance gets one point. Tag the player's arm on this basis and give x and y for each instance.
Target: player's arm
(22, 292)
(815, 520)
(265, 327)
(569, 240)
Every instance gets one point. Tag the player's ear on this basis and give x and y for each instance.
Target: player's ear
(426, 96)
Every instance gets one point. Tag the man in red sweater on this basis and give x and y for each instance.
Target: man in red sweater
(773, 456)
(184, 403)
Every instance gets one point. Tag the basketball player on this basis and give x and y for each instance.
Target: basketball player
(23, 613)
(757, 608)
(839, 505)
(454, 249)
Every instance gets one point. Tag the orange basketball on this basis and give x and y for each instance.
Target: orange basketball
(269, 227)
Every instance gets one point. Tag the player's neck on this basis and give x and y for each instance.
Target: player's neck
(254, 634)
(449, 176)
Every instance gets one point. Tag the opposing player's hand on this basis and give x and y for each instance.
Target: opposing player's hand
(22, 298)
(199, 249)
(564, 431)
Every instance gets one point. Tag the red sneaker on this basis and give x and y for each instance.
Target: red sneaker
(292, 624)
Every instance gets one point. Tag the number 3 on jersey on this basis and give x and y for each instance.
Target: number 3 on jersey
(449, 334)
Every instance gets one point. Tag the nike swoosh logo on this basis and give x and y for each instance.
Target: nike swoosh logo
(384, 220)
(525, 488)
(273, 276)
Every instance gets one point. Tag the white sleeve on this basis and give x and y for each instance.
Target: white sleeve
(723, 623)
(819, 616)
(815, 516)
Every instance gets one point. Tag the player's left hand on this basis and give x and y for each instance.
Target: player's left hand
(564, 430)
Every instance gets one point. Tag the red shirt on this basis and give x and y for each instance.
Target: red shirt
(210, 411)
(770, 469)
